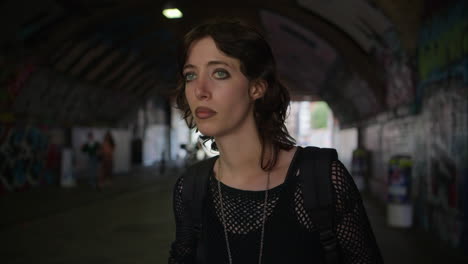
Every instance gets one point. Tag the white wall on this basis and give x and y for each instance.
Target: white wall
(345, 142)
(180, 134)
(122, 150)
(155, 142)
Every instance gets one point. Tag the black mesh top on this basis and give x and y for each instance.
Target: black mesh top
(290, 235)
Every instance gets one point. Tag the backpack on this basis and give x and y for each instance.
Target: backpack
(317, 192)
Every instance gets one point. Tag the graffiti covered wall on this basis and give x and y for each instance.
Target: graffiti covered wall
(443, 73)
(29, 156)
(436, 138)
(437, 141)
(445, 116)
(443, 46)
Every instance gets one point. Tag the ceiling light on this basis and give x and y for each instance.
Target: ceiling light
(172, 13)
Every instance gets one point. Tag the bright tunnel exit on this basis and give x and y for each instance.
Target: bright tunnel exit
(313, 124)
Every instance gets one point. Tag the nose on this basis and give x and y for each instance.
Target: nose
(202, 90)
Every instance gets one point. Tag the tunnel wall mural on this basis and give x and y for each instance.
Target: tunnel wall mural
(36, 105)
(437, 141)
(437, 137)
(30, 156)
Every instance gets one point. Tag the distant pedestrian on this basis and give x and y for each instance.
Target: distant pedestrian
(106, 154)
(91, 148)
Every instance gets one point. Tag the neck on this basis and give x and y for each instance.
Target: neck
(240, 160)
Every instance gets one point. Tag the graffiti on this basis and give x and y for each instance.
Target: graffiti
(11, 84)
(27, 158)
(399, 80)
(443, 73)
(437, 141)
(443, 178)
(398, 72)
(446, 114)
(464, 201)
(443, 45)
(445, 224)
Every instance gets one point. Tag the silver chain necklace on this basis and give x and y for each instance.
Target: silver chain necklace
(223, 217)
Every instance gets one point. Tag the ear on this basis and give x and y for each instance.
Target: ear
(258, 89)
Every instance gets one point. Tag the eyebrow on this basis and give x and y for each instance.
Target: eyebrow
(210, 63)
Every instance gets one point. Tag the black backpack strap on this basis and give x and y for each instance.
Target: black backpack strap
(315, 166)
(194, 193)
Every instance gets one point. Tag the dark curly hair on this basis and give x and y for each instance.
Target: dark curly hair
(245, 43)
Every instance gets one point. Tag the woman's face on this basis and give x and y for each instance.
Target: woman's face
(218, 93)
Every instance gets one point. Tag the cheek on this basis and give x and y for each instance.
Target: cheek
(188, 96)
(240, 97)
(238, 92)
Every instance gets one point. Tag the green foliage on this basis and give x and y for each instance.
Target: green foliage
(319, 115)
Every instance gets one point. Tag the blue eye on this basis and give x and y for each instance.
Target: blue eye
(190, 76)
(221, 74)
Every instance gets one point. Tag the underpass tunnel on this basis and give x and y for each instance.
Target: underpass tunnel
(383, 82)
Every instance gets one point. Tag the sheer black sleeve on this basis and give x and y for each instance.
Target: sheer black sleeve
(183, 248)
(353, 230)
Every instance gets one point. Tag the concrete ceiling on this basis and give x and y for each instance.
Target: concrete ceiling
(93, 61)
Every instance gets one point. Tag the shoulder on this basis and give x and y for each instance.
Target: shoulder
(200, 168)
(204, 164)
(197, 172)
(340, 175)
(345, 191)
(316, 153)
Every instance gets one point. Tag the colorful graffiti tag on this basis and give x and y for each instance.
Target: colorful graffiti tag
(27, 158)
(443, 45)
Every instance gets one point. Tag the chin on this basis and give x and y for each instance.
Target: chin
(209, 130)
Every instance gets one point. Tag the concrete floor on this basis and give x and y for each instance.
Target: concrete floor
(131, 222)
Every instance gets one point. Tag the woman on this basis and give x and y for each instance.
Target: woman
(253, 210)
(107, 159)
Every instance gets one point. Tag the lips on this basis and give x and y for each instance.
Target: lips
(204, 112)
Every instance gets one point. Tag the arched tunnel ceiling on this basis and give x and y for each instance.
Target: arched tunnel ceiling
(94, 61)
